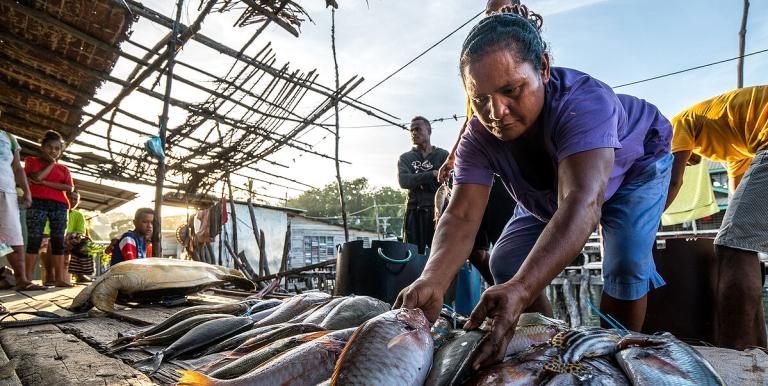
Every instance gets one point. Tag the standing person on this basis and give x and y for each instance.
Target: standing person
(417, 172)
(573, 154)
(51, 181)
(79, 265)
(733, 128)
(11, 175)
(133, 244)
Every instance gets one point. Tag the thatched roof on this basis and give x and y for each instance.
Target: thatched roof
(53, 57)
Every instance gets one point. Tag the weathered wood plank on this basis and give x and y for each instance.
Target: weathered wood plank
(8, 375)
(47, 356)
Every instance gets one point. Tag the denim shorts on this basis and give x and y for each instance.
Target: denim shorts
(629, 220)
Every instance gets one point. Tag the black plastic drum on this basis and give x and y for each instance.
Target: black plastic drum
(380, 271)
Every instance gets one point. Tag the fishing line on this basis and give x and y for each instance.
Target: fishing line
(622, 331)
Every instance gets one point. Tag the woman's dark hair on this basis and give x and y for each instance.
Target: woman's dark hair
(49, 136)
(515, 29)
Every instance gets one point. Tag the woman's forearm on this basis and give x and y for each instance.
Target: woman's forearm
(561, 241)
(451, 246)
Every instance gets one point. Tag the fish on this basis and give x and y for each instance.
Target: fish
(663, 359)
(526, 368)
(319, 315)
(195, 339)
(254, 359)
(149, 280)
(564, 379)
(227, 308)
(307, 364)
(451, 364)
(533, 329)
(240, 338)
(604, 371)
(300, 318)
(354, 311)
(293, 307)
(171, 334)
(586, 342)
(394, 348)
(262, 340)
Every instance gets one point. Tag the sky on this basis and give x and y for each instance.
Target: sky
(616, 41)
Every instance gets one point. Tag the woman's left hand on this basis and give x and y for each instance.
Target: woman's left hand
(502, 304)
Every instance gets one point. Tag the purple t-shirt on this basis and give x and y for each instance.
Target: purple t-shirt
(580, 113)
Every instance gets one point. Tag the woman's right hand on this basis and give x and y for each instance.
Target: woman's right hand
(425, 294)
(444, 174)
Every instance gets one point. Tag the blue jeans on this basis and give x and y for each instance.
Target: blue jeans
(630, 219)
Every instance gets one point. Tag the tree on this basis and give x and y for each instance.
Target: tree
(360, 198)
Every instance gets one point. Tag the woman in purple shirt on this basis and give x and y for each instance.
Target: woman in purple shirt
(573, 154)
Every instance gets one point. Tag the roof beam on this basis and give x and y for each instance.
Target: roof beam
(45, 18)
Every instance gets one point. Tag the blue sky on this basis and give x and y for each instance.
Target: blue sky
(617, 41)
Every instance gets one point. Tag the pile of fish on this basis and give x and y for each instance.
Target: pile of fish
(317, 339)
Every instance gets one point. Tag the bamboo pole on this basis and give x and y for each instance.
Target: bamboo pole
(337, 134)
(160, 171)
(742, 45)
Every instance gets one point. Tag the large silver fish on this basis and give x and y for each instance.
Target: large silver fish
(254, 359)
(451, 365)
(293, 307)
(526, 368)
(353, 311)
(319, 315)
(197, 338)
(664, 360)
(171, 334)
(604, 371)
(227, 308)
(533, 329)
(240, 338)
(394, 348)
(585, 342)
(308, 364)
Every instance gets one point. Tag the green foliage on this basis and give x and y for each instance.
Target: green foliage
(360, 198)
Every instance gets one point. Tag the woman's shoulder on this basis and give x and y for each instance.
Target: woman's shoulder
(570, 91)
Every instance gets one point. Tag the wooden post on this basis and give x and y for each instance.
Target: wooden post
(256, 235)
(286, 248)
(160, 172)
(570, 301)
(233, 219)
(263, 263)
(584, 295)
(742, 44)
(336, 109)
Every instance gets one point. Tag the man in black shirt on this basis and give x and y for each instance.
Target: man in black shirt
(417, 172)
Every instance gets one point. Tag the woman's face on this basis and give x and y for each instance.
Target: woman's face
(507, 94)
(52, 149)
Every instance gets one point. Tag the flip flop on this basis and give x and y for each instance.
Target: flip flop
(32, 287)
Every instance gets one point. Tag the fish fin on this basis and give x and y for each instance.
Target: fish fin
(239, 282)
(410, 337)
(152, 363)
(193, 378)
(315, 335)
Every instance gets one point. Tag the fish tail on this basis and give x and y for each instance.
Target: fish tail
(152, 363)
(117, 349)
(121, 340)
(193, 378)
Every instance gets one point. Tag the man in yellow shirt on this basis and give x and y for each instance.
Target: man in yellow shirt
(733, 128)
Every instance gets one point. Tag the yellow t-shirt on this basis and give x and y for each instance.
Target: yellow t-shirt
(729, 128)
